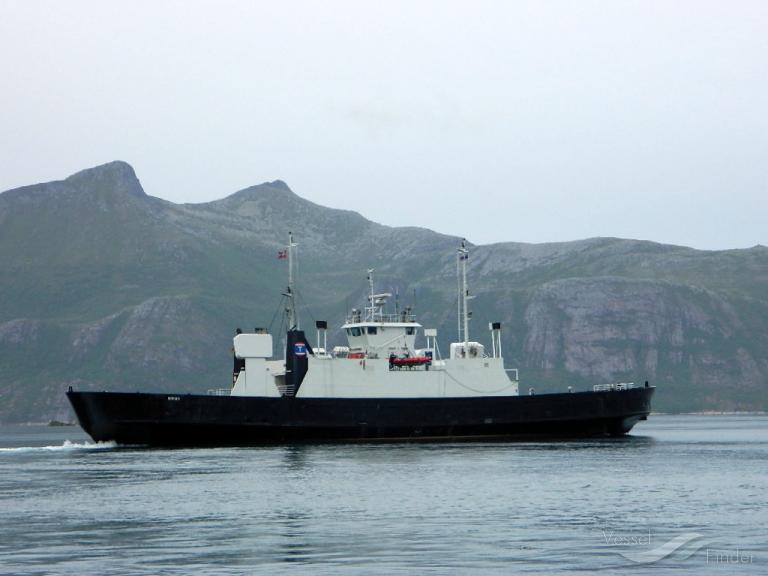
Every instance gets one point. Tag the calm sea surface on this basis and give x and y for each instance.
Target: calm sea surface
(683, 493)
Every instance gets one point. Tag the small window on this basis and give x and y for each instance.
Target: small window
(356, 331)
(372, 330)
(410, 331)
(349, 331)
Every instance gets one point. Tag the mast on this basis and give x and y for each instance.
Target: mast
(465, 297)
(376, 302)
(292, 312)
(372, 295)
(458, 296)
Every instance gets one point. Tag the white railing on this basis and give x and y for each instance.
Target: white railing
(389, 318)
(613, 386)
(219, 391)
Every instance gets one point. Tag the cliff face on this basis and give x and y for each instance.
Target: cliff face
(686, 338)
(104, 287)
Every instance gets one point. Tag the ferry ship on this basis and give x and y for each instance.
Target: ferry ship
(380, 387)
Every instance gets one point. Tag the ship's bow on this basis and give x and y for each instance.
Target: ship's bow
(91, 415)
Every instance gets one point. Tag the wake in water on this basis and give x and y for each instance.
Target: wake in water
(67, 445)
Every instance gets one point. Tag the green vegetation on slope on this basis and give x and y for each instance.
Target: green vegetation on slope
(103, 287)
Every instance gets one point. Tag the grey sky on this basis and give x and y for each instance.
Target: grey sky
(523, 121)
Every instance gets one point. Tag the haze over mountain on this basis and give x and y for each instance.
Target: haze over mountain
(104, 287)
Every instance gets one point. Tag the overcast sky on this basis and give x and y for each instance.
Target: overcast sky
(501, 121)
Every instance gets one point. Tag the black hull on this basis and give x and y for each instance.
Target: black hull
(196, 420)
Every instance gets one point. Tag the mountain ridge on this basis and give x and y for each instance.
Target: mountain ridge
(117, 169)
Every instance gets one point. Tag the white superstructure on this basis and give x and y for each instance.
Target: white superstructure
(382, 359)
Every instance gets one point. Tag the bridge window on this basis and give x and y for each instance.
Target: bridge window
(354, 331)
(410, 331)
(372, 330)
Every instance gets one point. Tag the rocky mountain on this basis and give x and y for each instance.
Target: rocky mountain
(104, 287)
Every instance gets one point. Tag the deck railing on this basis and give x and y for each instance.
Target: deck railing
(389, 318)
(613, 386)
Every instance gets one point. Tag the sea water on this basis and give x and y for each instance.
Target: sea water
(682, 493)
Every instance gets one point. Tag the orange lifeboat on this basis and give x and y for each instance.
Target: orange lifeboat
(410, 361)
